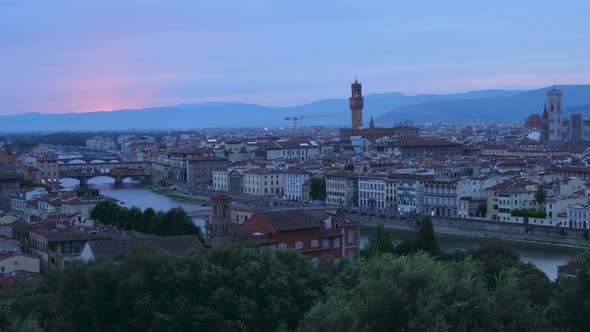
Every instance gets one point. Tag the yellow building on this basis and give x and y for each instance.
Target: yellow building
(15, 261)
(262, 182)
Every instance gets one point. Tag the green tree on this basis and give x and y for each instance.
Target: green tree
(135, 219)
(102, 209)
(425, 239)
(406, 293)
(570, 305)
(379, 243)
(482, 210)
(317, 189)
(540, 196)
(146, 219)
(173, 222)
(495, 260)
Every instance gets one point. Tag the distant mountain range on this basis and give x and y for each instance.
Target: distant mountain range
(510, 107)
(386, 108)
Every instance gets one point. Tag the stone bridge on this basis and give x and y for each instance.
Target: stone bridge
(117, 171)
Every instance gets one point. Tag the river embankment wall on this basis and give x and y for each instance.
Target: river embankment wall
(480, 228)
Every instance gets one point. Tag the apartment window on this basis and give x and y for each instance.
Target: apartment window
(283, 246)
(326, 243)
(315, 261)
(350, 236)
(298, 245)
(337, 242)
(314, 243)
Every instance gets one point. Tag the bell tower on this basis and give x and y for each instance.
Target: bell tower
(356, 102)
(220, 221)
(555, 115)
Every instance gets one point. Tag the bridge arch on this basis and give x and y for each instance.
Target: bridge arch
(97, 161)
(76, 161)
(82, 182)
(117, 171)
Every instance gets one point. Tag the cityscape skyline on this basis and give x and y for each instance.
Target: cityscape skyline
(296, 166)
(107, 55)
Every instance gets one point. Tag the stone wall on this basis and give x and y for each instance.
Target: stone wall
(479, 228)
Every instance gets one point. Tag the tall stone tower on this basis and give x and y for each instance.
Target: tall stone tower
(554, 114)
(545, 126)
(220, 223)
(356, 102)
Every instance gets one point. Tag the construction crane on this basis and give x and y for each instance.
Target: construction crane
(297, 118)
(294, 119)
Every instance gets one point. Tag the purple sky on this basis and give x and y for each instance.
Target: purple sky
(77, 56)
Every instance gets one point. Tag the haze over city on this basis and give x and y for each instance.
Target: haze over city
(64, 56)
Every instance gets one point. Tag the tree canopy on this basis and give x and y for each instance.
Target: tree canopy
(317, 189)
(173, 222)
(425, 240)
(246, 288)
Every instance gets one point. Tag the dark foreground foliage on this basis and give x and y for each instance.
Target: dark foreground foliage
(239, 288)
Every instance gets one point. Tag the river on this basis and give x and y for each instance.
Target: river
(133, 193)
(545, 257)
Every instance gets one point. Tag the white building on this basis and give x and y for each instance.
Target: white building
(471, 193)
(409, 192)
(19, 199)
(578, 216)
(342, 189)
(101, 143)
(510, 195)
(440, 198)
(283, 149)
(220, 179)
(372, 191)
(293, 180)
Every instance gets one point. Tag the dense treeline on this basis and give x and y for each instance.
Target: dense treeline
(230, 289)
(239, 288)
(173, 222)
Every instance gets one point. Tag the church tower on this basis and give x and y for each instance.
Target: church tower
(220, 223)
(356, 102)
(554, 114)
(545, 126)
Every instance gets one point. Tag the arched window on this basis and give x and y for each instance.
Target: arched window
(315, 261)
(283, 246)
(314, 243)
(350, 236)
(298, 245)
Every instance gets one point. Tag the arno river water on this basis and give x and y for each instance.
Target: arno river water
(545, 257)
(135, 194)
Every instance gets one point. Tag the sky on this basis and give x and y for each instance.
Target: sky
(63, 56)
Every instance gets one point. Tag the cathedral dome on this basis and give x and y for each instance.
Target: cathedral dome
(534, 121)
